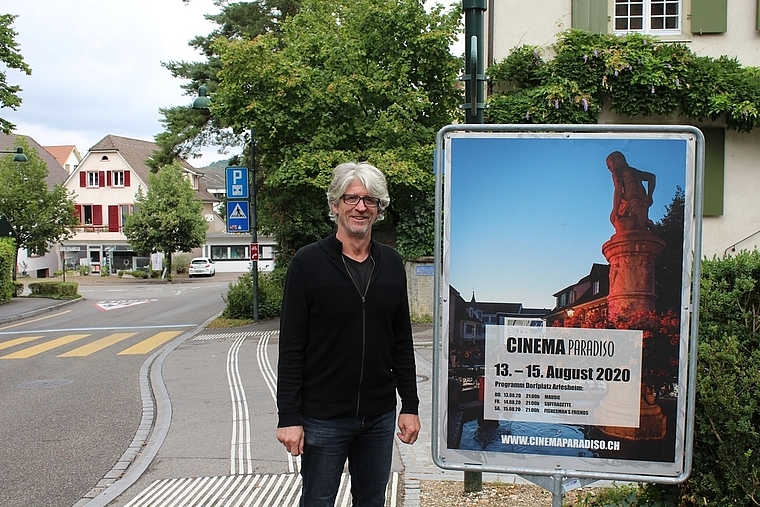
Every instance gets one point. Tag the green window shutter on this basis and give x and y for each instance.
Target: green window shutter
(715, 150)
(709, 16)
(590, 15)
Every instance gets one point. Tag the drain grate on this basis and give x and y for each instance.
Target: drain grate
(44, 384)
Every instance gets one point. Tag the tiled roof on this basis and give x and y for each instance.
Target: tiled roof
(214, 177)
(136, 152)
(61, 153)
(56, 172)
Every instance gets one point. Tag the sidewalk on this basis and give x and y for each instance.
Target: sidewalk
(417, 461)
(25, 307)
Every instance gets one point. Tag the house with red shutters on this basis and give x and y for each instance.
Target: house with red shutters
(105, 184)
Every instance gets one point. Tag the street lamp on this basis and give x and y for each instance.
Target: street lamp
(19, 154)
(203, 102)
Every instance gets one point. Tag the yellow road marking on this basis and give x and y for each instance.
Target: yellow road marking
(34, 320)
(151, 343)
(17, 341)
(90, 348)
(44, 347)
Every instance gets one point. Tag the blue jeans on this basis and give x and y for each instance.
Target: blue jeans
(367, 442)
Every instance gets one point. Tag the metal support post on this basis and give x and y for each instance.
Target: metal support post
(254, 227)
(474, 77)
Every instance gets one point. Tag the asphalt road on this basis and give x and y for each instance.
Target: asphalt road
(69, 384)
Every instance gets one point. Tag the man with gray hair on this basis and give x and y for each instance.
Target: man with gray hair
(346, 348)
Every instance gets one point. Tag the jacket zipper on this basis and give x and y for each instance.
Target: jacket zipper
(364, 322)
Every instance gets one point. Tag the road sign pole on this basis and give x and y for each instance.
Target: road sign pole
(254, 226)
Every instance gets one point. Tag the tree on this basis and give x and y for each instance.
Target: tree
(168, 217)
(38, 217)
(187, 129)
(346, 80)
(12, 58)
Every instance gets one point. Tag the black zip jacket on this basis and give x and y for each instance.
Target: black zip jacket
(342, 353)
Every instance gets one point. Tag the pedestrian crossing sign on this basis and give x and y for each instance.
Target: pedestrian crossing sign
(238, 216)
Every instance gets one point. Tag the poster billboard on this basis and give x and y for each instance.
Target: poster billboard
(567, 329)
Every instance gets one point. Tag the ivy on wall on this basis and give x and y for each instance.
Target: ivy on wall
(630, 75)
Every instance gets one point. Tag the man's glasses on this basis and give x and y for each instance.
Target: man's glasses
(353, 200)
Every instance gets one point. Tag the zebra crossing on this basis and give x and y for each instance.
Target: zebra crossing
(275, 490)
(128, 343)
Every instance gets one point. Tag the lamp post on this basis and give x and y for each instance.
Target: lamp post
(18, 154)
(203, 102)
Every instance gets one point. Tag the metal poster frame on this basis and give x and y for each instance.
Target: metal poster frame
(460, 163)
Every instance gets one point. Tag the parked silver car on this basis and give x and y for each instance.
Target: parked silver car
(201, 266)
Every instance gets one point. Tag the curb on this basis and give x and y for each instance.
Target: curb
(32, 313)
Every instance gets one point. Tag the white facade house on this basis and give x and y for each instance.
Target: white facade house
(105, 184)
(709, 28)
(66, 155)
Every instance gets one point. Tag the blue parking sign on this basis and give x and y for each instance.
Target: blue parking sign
(238, 216)
(236, 181)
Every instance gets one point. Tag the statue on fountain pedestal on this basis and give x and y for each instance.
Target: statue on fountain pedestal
(631, 201)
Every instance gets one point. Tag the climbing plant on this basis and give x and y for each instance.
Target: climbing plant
(632, 75)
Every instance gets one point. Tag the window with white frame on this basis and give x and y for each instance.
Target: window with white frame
(87, 214)
(655, 17)
(240, 252)
(93, 179)
(266, 252)
(118, 179)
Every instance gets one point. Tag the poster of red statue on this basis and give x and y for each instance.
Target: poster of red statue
(565, 329)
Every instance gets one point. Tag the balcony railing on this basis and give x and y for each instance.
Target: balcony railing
(94, 228)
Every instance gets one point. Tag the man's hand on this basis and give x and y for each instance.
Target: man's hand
(409, 424)
(292, 438)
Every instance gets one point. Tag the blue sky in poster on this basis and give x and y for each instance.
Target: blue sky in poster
(529, 214)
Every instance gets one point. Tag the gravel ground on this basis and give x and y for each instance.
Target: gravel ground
(451, 494)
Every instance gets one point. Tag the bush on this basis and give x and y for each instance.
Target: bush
(239, 297)
(180, 263)
(54, 290)
(727, 433)
(139, 273)
(7, 269)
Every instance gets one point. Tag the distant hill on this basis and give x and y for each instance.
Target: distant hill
(219, 164)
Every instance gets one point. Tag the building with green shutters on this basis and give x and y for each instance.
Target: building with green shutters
(712, 28)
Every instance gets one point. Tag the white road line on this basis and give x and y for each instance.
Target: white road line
(270, 378)
(279, 490)
(265, 366)
(241, 460)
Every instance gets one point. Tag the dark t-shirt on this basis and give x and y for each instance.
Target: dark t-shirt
(360, 272)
